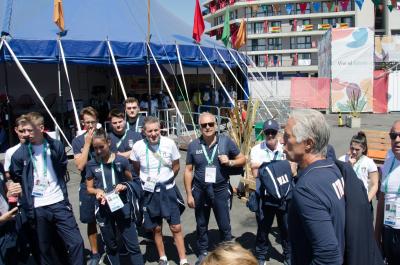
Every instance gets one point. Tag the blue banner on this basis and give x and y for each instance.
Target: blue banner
(359, 3)
(316, 6)
(289, 8)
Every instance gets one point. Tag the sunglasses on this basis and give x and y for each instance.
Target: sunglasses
(393, 135)
(270, 132)
(209, 124)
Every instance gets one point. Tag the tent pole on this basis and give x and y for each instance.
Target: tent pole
(148, 59)
(9, 115)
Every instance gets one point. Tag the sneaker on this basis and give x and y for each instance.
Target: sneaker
(94, 259)
(163, 262)
(186, 263)
(200, 258)
(262, 262)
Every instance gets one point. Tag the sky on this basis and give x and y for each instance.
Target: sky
(182, 8)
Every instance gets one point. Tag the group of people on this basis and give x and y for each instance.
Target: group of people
(128, 180)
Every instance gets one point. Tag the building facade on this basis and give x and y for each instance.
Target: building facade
(283, 35)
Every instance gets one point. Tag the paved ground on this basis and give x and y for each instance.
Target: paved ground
(243, 221)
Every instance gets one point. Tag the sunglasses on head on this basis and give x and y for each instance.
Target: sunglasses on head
(210, 124)
(270, 132)
(393, 135)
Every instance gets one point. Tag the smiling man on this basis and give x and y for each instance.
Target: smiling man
(265, 152)
(208, 163)
(387, 225)
(156, 160)
(317, 210)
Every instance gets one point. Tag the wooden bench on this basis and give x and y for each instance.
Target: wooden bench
(378, 145)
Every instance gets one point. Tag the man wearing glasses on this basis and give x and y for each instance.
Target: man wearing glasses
(83, 152)
(209, 159)
(269, 150)
(388, 210)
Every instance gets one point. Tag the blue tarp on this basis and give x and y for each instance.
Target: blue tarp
(32, 33)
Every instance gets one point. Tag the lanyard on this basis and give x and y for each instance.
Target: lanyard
(209, 160)
(104, 177)
(269, 155)
(147, 158)
(358, 165)
(136, 125)
(388, 175)
(123, 137)
(44, 154)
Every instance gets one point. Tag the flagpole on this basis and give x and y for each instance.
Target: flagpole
(148, 59)
(9, 114)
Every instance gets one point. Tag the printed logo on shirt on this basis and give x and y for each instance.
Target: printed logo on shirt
(363, 170)
(283, 179)
(199, 152)
(164, 154)
(118, 166)
(97, 170)
(130, 143)
(25, 163)
(338, 187)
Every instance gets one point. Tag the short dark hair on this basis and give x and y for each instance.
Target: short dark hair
(100, 133)
(116, 113)
(89, 111)
(131, 100)
(360, 138)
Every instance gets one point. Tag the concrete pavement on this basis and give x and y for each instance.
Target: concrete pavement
(243, 221)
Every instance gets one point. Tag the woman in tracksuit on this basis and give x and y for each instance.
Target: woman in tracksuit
(109, 178)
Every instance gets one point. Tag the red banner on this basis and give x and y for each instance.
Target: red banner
(380, 92)
(309, 92)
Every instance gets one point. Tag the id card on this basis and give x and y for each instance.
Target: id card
(211, 174)
(392, 213)
(150, 184)
(39, 188)
(114, 201)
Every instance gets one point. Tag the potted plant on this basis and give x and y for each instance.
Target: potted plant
(355, 103)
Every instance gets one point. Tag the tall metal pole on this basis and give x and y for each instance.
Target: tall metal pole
(148, 58)
(9, 115)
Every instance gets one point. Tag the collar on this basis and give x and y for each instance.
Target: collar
(203, 142)
(264, 146)
(323, 163)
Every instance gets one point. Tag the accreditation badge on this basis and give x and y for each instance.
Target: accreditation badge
(114, 201)
(211, 174)
(39, 188)
(150, 184)
(392, 213)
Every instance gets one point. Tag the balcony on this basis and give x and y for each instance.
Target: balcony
(286, 65)
(273, 9)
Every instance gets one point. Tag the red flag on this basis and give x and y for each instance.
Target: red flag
(231, 2)
(344, 4)
(213, 7)
(303, 7)
(198, 25)
(265, 26)
(295, 59)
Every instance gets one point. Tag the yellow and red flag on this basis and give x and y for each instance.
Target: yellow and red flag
(58, 14)
(241, 35)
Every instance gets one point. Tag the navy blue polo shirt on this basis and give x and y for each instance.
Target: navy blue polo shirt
(77, 146)
(196, 157)
(127, 143)
(139, 122)
(93, 170)
(317, 215)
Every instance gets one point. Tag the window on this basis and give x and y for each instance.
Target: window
(275, 44)
(233, 15)
(258, 28)
(275, 60)
(326, 7)
(270, 10)
(331, 21)
(303, 42)
(307, 11)
(258, 45)
(305, 22)
(260, 60)
(347, 20)
(275, 24)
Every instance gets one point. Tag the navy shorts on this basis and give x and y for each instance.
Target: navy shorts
(86, 205)
(150, 223)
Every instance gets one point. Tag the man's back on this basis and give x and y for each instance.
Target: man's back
(317, 215)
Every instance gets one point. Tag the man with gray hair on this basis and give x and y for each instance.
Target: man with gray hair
(317, 211)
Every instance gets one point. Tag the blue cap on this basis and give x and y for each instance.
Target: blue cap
(271, 125)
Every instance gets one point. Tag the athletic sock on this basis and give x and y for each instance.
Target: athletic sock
(164, 258)
(183, 261)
